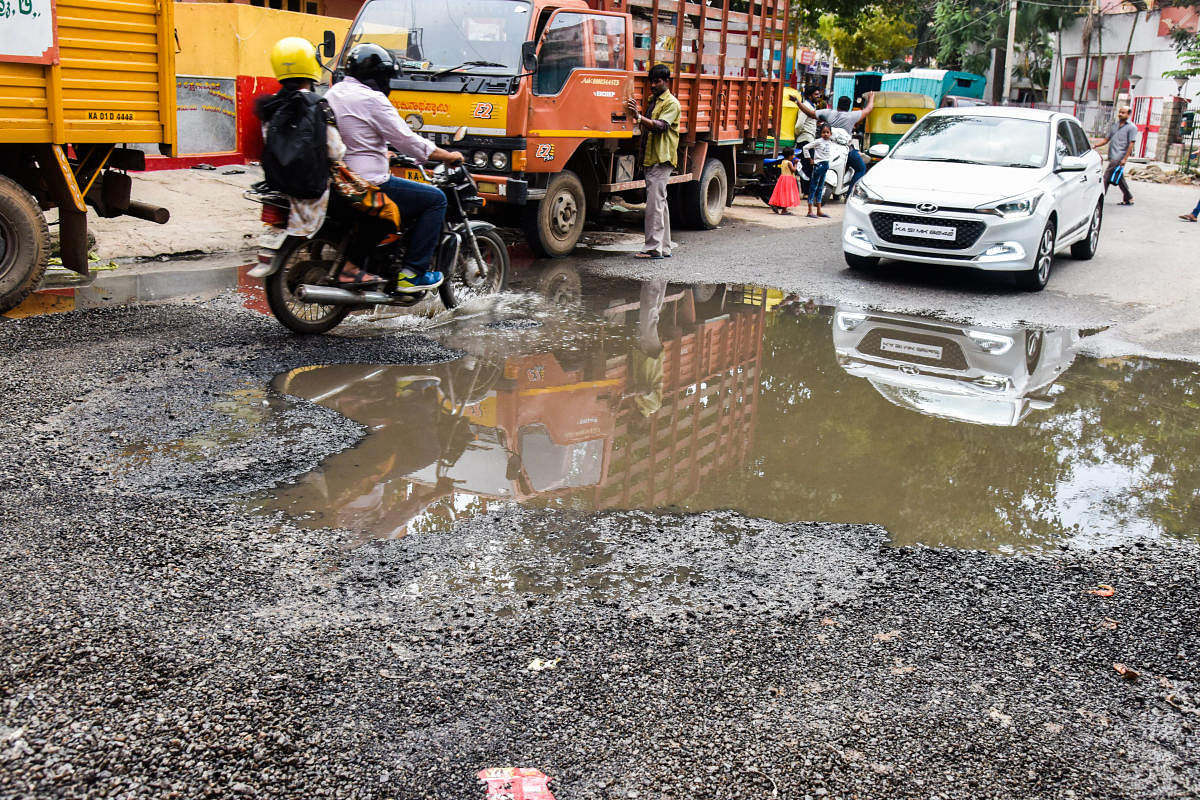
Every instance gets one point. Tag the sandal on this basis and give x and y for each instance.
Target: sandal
(1125, 203)
(647, 254)
(1188, 217)
(358, 278)
(826, 216)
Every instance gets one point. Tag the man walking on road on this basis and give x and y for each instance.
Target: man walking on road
(1120, 144)
(845, 119)
(661, 122)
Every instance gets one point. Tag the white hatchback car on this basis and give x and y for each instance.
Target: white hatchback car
(992, 188)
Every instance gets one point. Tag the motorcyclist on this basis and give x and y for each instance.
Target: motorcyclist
(369, 125)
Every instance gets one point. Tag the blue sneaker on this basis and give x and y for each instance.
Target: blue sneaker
(408, 279)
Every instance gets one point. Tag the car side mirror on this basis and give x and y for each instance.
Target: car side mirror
(879, 150)
(328, 44)
(1071, 164)
(529, 59)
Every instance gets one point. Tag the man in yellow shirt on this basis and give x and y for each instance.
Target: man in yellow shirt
(661, 123)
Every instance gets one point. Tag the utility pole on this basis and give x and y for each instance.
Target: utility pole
(1008, 52)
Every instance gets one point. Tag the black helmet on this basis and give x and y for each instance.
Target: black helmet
(372, 65)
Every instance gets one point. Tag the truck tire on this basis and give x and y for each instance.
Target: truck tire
(704, 200)
(554, 225)
(24, 244)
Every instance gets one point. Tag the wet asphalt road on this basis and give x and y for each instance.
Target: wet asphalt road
(157, 641)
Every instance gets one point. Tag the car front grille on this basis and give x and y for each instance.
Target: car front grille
(967, 231)
(952, 354)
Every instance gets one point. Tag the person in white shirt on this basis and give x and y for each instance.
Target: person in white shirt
(819, 150)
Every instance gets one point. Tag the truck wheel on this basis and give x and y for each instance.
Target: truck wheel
(24, 244)
(704, 200)
(554, 225)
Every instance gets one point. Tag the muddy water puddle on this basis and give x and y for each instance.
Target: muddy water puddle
(695, 398)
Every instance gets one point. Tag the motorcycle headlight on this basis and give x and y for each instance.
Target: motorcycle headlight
(500, 160)
(864, 195)
(1013, 207)
(479, 159)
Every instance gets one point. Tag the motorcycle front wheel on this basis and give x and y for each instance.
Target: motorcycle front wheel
(471, 277)
(299, 261)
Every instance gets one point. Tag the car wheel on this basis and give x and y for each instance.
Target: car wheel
(860, 262)
(1086, 248)
(1033, 349)
(1035, 279)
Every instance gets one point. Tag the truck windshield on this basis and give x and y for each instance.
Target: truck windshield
(991, 140)
(434, 35)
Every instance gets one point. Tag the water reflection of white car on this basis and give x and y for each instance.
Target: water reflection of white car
(986, 376)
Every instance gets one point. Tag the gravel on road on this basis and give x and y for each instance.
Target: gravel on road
(158, 641)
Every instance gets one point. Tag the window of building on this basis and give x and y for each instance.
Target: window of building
(1069, 75)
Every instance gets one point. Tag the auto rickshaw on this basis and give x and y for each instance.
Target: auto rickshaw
(894, 113)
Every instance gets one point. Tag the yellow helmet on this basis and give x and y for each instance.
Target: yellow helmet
(295, 57)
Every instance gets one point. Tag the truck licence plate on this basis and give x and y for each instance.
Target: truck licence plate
(945, 233)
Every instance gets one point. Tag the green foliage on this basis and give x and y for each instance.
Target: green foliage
(1188, 46)
(872, 37)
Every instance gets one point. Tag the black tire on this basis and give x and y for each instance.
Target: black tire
(1036, 277)
(854, 261)
(1085, 248)
(24, 244)
(468, 279)
(703, 201)
(297, 262)
(554, 225)
(827, 195)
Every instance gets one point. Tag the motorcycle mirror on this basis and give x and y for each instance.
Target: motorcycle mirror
(529, 59)
(328, 44)
(459, 134)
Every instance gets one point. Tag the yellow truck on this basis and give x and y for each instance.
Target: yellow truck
(78, 80)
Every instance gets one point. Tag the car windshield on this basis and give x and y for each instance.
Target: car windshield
(434, 35)
(965, 139)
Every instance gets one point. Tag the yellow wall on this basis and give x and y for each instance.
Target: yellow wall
(228, 39)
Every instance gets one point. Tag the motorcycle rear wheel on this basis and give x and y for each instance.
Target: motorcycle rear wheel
(297, 262)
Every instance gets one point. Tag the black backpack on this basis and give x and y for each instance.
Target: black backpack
(294, 158)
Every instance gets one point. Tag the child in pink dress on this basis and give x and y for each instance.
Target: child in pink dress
(787, 191)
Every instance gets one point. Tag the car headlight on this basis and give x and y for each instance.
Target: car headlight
(479, 159)
(500, 160)
(848, 320)
(992, 343)
(1013, 207)
(864, 195)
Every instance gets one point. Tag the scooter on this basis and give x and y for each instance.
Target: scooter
(837, 178)
(300, 274)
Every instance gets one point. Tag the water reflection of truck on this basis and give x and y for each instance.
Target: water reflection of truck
(982, 375)
(542, 87)
(540, 426)
(77, 79)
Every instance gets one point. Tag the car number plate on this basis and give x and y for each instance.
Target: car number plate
(910, 348)
(413, 175)
(272, 238)
(945, 233)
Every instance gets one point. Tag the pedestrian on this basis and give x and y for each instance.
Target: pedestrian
(1192, 217)
(661, 122)
(1120, 144)
(845, 119)
(806, 131)
(820, 151)
(787, 193)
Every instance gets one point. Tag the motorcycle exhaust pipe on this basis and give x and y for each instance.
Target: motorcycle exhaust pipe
(333, 296)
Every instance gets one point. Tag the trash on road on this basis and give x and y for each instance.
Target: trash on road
(1103, 591)
(515, 783)
(1127, 673)
(1109, 624)
(537, 665)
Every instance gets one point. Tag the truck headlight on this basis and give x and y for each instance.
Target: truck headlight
(479, 159)
(1013, 207)
(500, 160)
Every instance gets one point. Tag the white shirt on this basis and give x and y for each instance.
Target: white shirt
(821, 149)
(369, 124)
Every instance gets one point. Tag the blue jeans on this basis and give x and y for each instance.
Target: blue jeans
(422, 211)
(1196, 210)
(855, 162)
(816, 184)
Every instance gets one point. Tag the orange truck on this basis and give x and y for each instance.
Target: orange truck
(541, 86)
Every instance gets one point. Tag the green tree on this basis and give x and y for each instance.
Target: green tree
(872, 37)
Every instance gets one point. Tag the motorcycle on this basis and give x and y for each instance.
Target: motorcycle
(300, 274)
